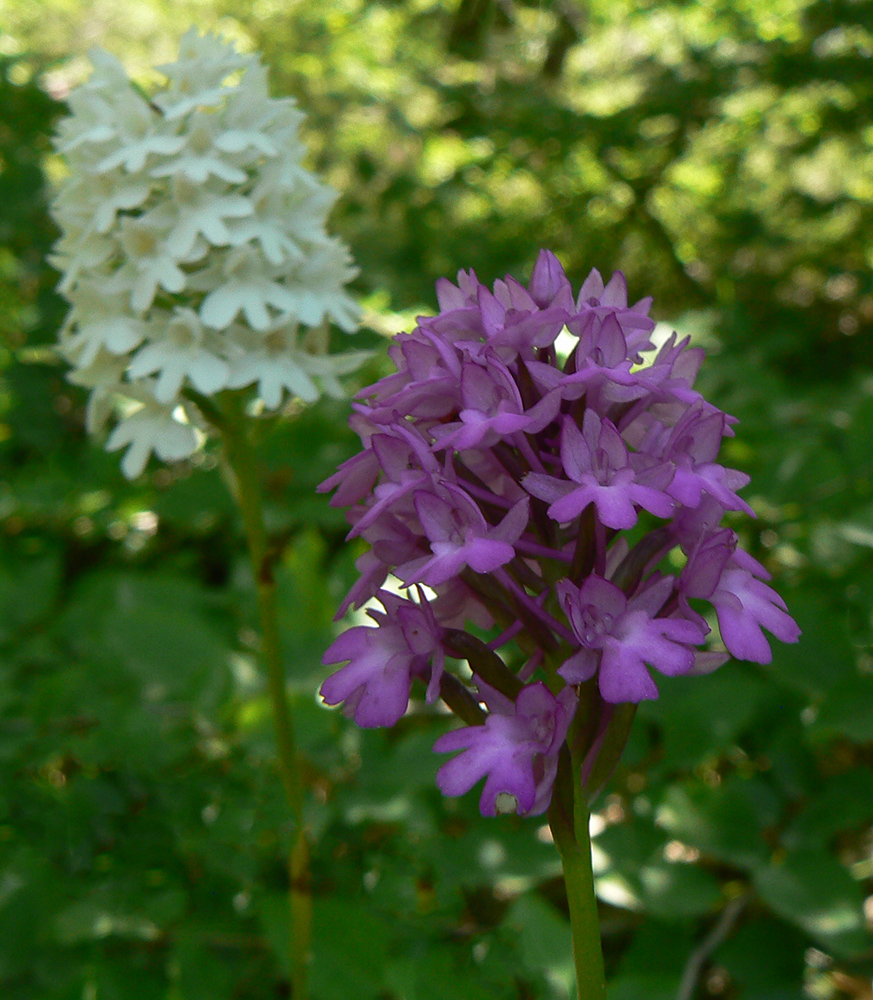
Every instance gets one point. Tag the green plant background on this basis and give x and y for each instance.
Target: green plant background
(721, 154)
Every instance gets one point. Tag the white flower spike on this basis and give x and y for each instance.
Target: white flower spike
(194, 251)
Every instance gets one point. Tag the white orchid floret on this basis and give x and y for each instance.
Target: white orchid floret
(179, 349)
(325, 368)
(141, 135)
(241, 282)
(191, 233)
(287, 215)
(93, 118)
(149, 264)
(199, 154)
(251, 107)
(99, 321)
(153, 427)
(317, 282)
(288, 359)
(81, 256)
(198, 210)
(101, 197)
(274, 363)
(103, 376)
(87, 125)
(198, 78)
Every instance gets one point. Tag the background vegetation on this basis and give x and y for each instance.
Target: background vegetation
(720, 152)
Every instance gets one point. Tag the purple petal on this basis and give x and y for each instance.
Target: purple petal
(576, 450)
(623, 676)
(743, 605)
(548, 279)
(580, 667)
(513, 524)
(614, 505)
(435, 515)
(615, 293)
(592, 288)
(546, 488)
(484, 555)
(571, 506)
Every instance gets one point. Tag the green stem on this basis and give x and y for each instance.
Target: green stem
(243, 461)
(568, 818)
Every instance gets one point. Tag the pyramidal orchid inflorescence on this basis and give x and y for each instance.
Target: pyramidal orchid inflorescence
(528, 502)
(194, 252)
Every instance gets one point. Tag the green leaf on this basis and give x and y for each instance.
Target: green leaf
(274, 917)
(154, 642)
(200, 503)
(90, 920)
(396, 767)
(765, 957)
(842, 803)
(125, 976)
(814, 891)
(618, 855)
(306, 606)
(677, 891)
(209, 964)
(652, 965)
(351, 945)
(824, 655)
(545, 939)
(632, 871)
(721, 822)
(507, 854)
(425, 975)
(700, 720)
(28, 590)
(651, 985)
(847, 710)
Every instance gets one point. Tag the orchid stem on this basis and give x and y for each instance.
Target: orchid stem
(568, 818)
(243, 461)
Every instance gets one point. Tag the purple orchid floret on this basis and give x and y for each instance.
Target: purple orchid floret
(618, 638)
(491, 407)
(516, 750)
(459, 536)
(375, 684)
(596, 461)
(498, 482)
(744, 604)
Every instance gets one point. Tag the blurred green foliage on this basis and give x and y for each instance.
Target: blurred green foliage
(721, 153)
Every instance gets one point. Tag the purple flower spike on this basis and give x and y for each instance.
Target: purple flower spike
(516, 750)
(508, 481)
